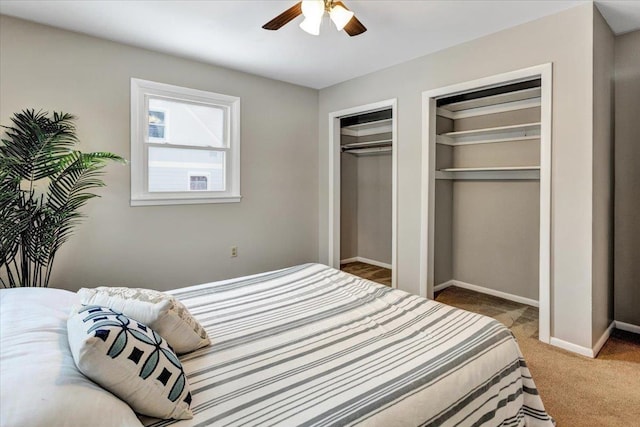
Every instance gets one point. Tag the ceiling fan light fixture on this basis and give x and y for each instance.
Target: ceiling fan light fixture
(313, 12)
(311, 26)
(340, 16)
(313, 9)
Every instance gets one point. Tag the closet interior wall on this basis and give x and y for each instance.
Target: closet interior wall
(486, 228)
(366, 192)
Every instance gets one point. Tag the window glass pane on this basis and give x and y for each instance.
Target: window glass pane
(182, 123)
(183, 169)
(156, 131)
(156, 117)
(156, 124)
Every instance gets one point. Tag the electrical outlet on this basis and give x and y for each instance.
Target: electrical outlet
(234, 251)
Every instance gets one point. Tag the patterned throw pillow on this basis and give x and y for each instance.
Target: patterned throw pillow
(130, 360)
(160, 311)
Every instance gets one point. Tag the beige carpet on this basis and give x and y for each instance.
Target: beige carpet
(577, 391)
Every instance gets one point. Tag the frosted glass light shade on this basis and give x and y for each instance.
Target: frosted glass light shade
(313, 9)
(340, 16)
(311, 26)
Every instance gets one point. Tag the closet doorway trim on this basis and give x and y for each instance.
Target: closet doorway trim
(334, 181)
(427, 202)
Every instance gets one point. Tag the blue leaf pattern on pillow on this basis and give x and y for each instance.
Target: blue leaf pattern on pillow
(96, 309)
(157, 338)
(171, 357)
(108, 323)
(150, 365)
(100, 315)
(142, 337)
(118, 345)
(177, 388)
(103, 324)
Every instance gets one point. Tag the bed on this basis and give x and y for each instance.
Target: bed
(313, 346)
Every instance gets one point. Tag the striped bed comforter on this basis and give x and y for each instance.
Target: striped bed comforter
(313, 346)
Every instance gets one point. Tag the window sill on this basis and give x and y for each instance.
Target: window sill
(191, 201)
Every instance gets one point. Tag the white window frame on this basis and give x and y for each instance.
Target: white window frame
(141, 90)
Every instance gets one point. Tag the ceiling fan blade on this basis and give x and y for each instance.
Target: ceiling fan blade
(354, 27)
(284, 18)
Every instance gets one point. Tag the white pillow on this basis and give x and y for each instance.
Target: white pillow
(130, 360)
(160, 311)
(40, 385)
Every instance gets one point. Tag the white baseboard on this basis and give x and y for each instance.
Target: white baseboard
(603, 339)
(574, 348)
(366, 261)
(444, 285)
(627, 327)
(483, 290)
(557, 342)
(584, 351)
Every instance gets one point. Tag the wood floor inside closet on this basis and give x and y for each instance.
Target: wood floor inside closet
(370, 272)
(508, 312)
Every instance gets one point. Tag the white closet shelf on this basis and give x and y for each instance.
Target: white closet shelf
(492, 168)
(369, 151)
(494, 130)
(490, 173)
(384, 142)
(518, 132)
(494, 100)
(490, 109)
(443, 140)
(369, 128)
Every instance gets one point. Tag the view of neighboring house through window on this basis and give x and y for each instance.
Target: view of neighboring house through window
(198, 128)
(199, 181)
(157, 124)
(185, 145)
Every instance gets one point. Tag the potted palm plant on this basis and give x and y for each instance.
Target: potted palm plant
(43, 184)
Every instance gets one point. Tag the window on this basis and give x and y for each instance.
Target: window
(185, 145)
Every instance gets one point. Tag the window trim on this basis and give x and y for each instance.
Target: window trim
(140, 196)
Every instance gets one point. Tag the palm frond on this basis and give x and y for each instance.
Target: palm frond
(33, 226)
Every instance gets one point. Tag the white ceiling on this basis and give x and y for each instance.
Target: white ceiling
(229, 33)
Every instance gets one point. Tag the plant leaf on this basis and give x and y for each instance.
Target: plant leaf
(37, 149)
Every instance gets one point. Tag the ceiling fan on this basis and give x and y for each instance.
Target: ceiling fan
(313, 11)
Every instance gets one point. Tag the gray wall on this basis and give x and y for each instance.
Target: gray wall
(443, 239)
(565, 39)
(374, 207)
(348, 205)
(603, 134)
(627, 178)
(365, 204)
(496, 235)
(166, 247)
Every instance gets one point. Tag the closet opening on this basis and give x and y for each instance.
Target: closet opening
(486, 189)
(363, 191)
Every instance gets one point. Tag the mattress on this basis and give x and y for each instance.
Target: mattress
(313, 346)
